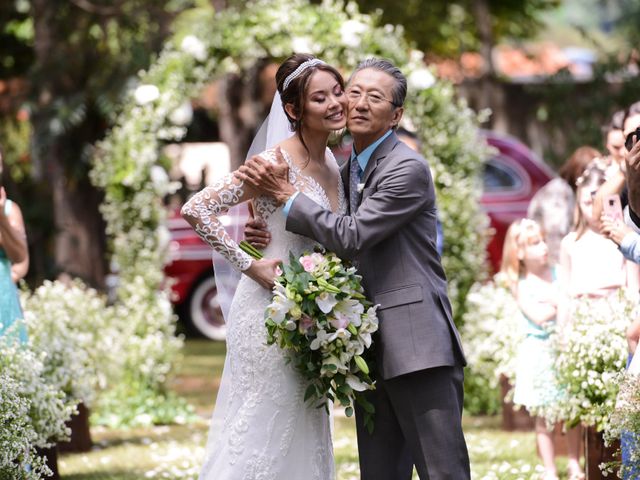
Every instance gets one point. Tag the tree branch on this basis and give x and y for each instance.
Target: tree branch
(87, 6)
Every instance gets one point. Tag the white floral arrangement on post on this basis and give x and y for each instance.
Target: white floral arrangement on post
(83, 340)
(591, 353)
(492, 331)
(45, 407)
(17, 435)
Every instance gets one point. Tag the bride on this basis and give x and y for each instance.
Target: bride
(261, 427)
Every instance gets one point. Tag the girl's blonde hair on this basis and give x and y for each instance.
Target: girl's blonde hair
(592, 177)
(515, 240)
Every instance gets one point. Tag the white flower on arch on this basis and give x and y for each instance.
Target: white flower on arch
(195, 47)
(421, 79)
(146, 94)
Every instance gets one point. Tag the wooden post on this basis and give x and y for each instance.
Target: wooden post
(80, 440)
(51, 457)
(596, 453)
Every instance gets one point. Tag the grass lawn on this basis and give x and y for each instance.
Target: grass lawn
(176, 452)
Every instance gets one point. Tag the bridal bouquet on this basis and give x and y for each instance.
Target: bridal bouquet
(319, 314)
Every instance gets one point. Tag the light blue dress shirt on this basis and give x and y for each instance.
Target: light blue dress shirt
(630, 247)
(363, 160)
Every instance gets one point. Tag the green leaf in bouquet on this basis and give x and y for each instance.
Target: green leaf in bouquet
(368, 423)
(348, 411)
(344, 400)
(310, 392)
(366, 405)
(308, 304)
(288, 273)
(345, 388)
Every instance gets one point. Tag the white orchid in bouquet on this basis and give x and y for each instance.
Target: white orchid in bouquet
(319, 314)
(591, 352)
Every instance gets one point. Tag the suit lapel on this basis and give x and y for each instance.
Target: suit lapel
(378, 155)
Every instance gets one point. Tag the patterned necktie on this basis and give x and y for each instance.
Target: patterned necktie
(355, 173)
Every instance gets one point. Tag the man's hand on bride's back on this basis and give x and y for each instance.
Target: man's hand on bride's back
(268, 178)
(256, 233)
(264, 271)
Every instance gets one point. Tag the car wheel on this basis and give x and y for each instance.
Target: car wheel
(205, 312)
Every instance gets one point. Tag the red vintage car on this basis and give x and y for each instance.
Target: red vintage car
(511, 177)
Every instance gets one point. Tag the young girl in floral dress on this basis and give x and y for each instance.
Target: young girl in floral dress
(525, 262)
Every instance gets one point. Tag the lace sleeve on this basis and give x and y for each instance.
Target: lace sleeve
(203, 210)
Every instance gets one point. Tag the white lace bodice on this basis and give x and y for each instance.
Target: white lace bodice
(261, 428)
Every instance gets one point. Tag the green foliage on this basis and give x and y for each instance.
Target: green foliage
(629, 22)
(580, 111)
(448, 132)
(481, 395)
(448, 28)
(131, 405)
(16, 38)
(14, 139)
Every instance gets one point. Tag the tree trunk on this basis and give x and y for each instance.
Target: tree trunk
(51, 458)
(243, 107)
(79, 229)
(233, 130)
(489, 95)
(80, 440)
(79, 243)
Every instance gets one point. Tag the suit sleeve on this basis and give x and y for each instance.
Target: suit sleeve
(399, 197)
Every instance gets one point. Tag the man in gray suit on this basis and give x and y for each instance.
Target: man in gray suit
(391, 235)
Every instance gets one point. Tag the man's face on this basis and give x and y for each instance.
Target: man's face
(371, 111)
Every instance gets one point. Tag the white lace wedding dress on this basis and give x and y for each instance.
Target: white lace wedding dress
(261, 428)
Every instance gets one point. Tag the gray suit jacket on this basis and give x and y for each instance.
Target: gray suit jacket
(392, 238)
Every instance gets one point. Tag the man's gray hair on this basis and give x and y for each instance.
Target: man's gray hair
(400, 89)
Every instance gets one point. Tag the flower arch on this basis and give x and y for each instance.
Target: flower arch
(129, 169)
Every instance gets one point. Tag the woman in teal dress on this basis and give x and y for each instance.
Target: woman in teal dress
(14, 259)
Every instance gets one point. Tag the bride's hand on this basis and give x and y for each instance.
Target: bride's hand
(264, 271)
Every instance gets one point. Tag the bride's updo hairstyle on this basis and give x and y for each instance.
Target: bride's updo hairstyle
(292, 80)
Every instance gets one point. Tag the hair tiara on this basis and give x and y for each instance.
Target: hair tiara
(298, 71)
